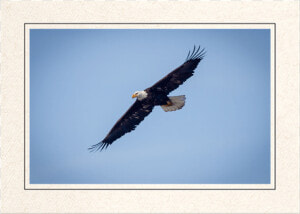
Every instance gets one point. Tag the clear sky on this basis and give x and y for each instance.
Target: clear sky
(81, 82)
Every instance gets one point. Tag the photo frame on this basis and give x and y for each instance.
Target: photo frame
(258, 198)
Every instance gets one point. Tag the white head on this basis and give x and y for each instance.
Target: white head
(140, 95)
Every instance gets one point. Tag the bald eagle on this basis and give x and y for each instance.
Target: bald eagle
(156, 95)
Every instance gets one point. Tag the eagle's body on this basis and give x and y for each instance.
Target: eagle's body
(156, 95)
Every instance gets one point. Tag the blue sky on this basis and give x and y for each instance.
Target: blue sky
(81, 82)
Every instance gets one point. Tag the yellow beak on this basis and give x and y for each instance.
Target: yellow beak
(134, 95)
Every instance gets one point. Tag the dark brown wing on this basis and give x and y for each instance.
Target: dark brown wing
(127, 123)
(174, 79)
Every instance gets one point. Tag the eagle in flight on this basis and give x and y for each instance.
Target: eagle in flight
(156, 95)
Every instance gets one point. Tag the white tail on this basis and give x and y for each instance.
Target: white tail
(177, 103)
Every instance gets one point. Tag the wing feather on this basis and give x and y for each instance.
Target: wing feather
(178, 76)
(127, 123)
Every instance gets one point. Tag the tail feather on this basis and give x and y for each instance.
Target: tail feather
(177, 103)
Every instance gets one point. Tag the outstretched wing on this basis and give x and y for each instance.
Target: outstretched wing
(174, 79)
(127, 123)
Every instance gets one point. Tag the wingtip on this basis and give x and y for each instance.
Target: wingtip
(99, 146)
(197, 54)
